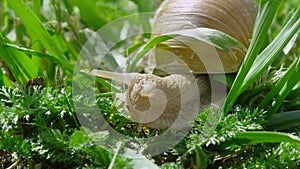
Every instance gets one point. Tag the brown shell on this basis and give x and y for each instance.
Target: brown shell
(233, 17)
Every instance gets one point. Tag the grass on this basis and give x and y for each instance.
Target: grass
(258, 126)
(41, 127)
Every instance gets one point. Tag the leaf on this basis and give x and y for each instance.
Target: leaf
(4, 80)
(35, 28)
(90, 13)
(282, 88)
(54, 138)
(78, 140)
(253, 65)
(213, 37)
(59, 61)
(19, 64)
(284, 120)
(254, 137)
(273, 50)
(146, 48)
(145, 6)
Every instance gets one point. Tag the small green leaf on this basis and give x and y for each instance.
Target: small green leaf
(254, 137)
(78, 139)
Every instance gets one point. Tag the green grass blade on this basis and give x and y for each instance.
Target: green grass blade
(37, 46)
(4, 80)
(210, 36)
(280, 87)
(266, 14)
(146, 48)
(284, 86)
(255, 137)
(4, 17)
(90, 13)
(6, 55)
(250, 96)
(59, 61)
(145, 6)
(35, 28)
(37, 8)
(273, 50)
(19, 64)
(284, 120)
(213, 37)
(286, 89)
(294, 95)
(83, 79)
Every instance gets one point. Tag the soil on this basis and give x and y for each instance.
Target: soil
(12, 161)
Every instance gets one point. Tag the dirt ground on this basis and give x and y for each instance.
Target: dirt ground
(12, 161)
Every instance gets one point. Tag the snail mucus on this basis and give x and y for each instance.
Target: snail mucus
(157, 100)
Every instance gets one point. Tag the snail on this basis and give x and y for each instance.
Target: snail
(165, 97)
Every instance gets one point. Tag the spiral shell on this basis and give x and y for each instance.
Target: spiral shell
(233, 17)
(173, 101)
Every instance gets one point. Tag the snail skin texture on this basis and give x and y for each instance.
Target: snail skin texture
(158, 102)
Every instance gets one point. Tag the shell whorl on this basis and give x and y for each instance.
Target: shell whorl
(233, 17)
(174, 100)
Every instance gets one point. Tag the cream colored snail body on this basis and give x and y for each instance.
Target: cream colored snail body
(158, 102)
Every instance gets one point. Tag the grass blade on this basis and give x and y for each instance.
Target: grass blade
(284, 120)
(254, 137)
(6, 55)
(146, 48)
(213, 37)
(59, 61)
(283, 87)
(35, 28)
(19, 64)
(273, 50)
(4, 79)
(266, 14)
(4, 17)
(286, 89)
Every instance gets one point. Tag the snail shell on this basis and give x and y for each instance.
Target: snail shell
(233, 17)
(158, 102)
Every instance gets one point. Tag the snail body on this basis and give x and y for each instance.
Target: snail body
(158, 102)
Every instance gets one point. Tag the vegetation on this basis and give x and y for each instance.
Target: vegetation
(258, 126)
